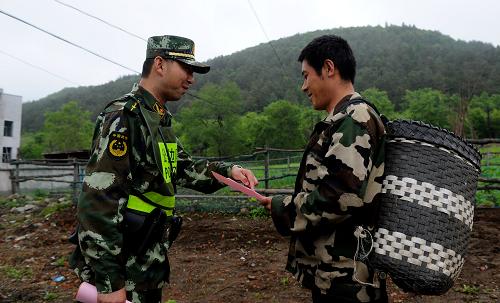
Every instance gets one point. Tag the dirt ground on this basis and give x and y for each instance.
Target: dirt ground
(217, 258)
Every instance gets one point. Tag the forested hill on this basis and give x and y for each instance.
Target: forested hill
(391, 58)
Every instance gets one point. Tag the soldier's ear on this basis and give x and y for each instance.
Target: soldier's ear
(158, 65)
(329, 66)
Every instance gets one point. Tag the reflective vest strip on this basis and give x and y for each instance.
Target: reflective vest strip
(167, 202)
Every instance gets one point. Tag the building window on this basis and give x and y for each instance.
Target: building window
(7, 128)
(6, 154)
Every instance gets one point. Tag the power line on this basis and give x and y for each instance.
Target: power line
(101, 20)
(265, 34)
(123, 30)
(93, 53)
(69, 42)
(38, 67)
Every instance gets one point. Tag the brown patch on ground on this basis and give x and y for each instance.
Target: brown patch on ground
(217, 258)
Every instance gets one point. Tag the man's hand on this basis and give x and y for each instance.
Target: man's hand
(244, 175)
(119, 296)
(266, 202)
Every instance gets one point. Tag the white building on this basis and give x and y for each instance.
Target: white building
(10, 134)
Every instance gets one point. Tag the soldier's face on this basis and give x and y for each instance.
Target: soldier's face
(315, 87)
(177, 79)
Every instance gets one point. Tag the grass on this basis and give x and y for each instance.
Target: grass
(284, 281)
(258, 212)
(40, 193)
(490, 168)
(60, 262)
(469, 289)
(50, 296)
(16, 273)
(55, 207)
(10, 203)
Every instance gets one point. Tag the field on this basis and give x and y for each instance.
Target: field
(217, 258)
(490, 168)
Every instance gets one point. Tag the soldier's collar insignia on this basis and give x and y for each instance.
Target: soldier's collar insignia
(159, 109)
(117, 147)
(134, 106)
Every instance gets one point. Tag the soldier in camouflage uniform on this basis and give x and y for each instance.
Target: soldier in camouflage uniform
(335, 200)
(130, 182)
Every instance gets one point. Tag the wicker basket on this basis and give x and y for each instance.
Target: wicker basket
(427, 207)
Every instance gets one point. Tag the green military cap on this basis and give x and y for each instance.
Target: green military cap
(175, 47)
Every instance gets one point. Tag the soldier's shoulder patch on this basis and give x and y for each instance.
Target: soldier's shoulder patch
(117, 146)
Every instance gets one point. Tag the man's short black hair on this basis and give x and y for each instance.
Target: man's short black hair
(146, 67)
(334, 48)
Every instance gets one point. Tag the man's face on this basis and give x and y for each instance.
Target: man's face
(176, 80)
(315, 86)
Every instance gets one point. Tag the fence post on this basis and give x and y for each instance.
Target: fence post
(12, 177)
(288, 164)
(266, 169)
(17, 187)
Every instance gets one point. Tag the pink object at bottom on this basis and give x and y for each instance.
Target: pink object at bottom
(87, 293)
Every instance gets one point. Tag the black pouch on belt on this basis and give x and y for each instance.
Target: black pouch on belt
(143, 230)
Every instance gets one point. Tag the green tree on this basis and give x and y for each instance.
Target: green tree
(32, 145)
(308, 119)
(248, 130)
(69, 128)
(281, 126)
(430, 106)
(482, 119)
(208, 125)
(381, 100)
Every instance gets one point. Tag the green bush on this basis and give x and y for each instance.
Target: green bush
(258, 212)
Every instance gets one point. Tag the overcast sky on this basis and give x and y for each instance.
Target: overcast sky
(219, 27)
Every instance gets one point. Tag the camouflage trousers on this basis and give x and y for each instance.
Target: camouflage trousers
(147, 296)
(348, 294)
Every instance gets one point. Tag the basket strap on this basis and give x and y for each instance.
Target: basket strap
(358, 100)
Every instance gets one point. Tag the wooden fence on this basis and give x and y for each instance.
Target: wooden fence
(71, 171)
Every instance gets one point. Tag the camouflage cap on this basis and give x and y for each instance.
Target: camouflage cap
(177, 48)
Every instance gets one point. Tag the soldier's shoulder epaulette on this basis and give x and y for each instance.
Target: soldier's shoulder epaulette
(127, 102)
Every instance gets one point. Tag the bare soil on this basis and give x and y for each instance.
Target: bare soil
(217, 258)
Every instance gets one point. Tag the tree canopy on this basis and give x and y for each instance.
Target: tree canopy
(393, 59)
(252, 98)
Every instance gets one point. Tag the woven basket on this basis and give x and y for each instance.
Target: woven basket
(427, 207)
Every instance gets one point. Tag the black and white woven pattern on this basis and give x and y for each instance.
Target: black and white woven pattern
(427, 207)
(428, 195)
(418, 251)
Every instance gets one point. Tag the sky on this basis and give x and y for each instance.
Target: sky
(34, 64)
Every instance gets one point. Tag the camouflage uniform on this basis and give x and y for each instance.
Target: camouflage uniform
(338, 179)
(128, 157)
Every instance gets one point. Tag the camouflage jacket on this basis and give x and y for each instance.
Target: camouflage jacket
(338, 179)
(125, 158)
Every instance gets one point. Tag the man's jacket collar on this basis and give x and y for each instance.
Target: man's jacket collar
(336, 113)
(150, 102)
